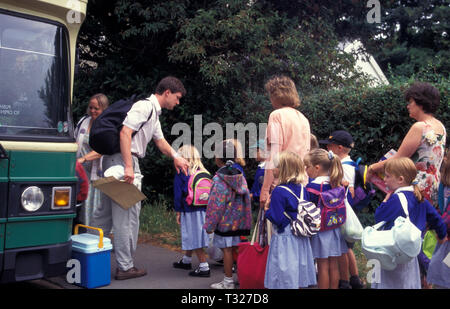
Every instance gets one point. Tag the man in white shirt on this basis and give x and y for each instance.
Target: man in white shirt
(142, 118)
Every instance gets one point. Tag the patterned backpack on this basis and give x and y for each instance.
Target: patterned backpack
(332, 205)
(199, 186)
(307, 222)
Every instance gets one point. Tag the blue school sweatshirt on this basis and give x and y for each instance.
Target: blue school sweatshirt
(258, 182)
(281, 201)
(421, 214)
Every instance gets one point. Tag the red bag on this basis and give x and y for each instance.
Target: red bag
(82, 184)
(252, 259)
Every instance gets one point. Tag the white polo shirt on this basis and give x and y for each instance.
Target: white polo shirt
(136, 116)
(349, 171)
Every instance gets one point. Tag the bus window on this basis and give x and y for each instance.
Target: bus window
(33, 80)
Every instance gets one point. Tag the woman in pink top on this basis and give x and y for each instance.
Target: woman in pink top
(287, 129)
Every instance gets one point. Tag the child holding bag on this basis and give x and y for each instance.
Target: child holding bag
(190, 218)
(228, 213)
(290, 262)
(438, 270)
(399, 176)
(327, 245)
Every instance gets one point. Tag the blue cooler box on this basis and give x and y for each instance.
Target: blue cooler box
(95, 262)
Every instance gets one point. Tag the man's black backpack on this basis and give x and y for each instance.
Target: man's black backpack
(104, 136)
(364, 191)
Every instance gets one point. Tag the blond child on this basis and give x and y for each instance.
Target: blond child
(290, 262)
(341, 143)
(190, 218)
(325, 169)
(400, 174)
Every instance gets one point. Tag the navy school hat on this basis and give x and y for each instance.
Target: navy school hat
(339, 137)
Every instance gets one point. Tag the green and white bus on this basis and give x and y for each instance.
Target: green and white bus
(37, 145)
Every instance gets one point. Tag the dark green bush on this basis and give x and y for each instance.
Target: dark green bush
(377, 118)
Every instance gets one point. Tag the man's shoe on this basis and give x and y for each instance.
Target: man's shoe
(200, 273)
(130, 273)
(182, 265)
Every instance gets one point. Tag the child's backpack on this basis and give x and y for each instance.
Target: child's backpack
(104, 136)
(399, 245)
(332, 205)
(199, 187)
(364, 191)
(307, 222)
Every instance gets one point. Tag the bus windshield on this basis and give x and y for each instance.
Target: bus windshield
(34, 98)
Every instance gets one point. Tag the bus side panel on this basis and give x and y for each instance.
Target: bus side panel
(4, 164)
(42, 166)
(38, 231)
(2, 241)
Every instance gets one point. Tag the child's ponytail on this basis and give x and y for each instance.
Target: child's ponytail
(417, 192)
(329, 162)
(336, 171)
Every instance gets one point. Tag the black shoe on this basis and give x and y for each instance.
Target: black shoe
(344, 285)
(356, 283)
(182, 265)
(200, 273)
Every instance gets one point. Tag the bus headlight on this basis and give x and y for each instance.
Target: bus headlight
(61, 197)
(32, 198)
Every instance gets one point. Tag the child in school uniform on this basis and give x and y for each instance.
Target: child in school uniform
(326, 170)
(341, 142)
(290, 261)
(399, 176)
(438, 270)
(259, 173)
(190, 218)
(228, 213)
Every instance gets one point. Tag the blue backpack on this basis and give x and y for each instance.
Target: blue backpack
(104, 136)
(364, 191)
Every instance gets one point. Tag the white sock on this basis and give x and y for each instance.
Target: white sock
(187, 259)
(228, 280)
(204, 266)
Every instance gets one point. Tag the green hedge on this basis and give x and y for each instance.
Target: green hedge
(377, 118)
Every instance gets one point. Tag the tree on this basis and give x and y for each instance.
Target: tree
(222, 50)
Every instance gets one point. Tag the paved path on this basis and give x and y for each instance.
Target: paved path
(160, 272)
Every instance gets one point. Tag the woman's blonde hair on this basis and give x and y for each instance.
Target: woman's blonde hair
(329, 163)
(445, 169)
(191, 154)
(282, 92)
(291, 167)
(230, 149)
(101, 99)
(406, 168)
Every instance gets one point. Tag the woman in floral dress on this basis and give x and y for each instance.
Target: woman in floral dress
(425, 141)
